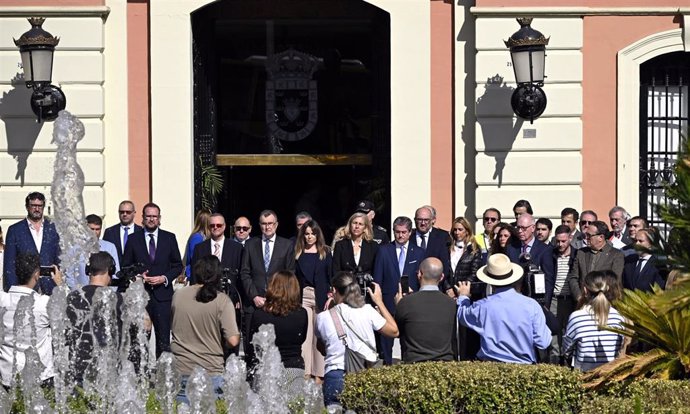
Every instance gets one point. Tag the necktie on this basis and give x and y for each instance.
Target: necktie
(401, 260)
(638, 268)
(152, 247)
(267, 254)
(216, 250)
(524, 249)
(124, 238)
(423, 246)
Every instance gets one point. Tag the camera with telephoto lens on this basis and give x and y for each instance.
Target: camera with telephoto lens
(127, 275)
(226, 284)
(530, 282)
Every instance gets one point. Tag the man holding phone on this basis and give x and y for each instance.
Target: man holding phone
(394, 264)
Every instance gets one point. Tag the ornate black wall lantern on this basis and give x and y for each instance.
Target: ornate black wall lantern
(528, 52)
(36, 48)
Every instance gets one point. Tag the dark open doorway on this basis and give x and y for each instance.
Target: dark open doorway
(292, 103)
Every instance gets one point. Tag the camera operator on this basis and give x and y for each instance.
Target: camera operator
(203, 319)
(12, 358)
(359, 321)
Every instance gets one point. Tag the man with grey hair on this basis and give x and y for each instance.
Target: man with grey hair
(432, 240)
(426, 319)
(395, 261)
(618, 218)
(533, 255)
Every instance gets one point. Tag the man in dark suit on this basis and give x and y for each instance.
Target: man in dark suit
(119, 233)
(620, 239)
(598, 255)
(158, 250)
(640, 271)
(262, 257)
(227, 251)
(35, 234)
(393, 261)
(434, 241)
(531, 254)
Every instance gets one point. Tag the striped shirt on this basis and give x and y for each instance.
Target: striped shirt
(592, 346)
(562, 269)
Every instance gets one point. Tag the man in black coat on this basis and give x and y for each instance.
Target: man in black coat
(118, 234)
(157, 250)
(434, 241)
(262, 257)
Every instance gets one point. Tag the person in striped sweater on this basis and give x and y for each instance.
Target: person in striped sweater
(586, 340)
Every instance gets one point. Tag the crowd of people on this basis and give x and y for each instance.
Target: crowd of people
(510, 293)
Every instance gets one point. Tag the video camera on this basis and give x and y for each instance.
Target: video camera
(364, 280)
(533, 284)
(127, 275)
(227, 285)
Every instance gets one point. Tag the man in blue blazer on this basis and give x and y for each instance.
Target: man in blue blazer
(393, 261)
(35, 234)
(157, 250)
(118, 234)
(528, 251)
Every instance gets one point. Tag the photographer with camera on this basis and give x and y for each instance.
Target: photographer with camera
(203, 320)
(12, 358)
(358, 321)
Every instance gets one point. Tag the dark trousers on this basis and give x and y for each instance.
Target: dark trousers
(159, 311)
(386, 342)
(246, 327)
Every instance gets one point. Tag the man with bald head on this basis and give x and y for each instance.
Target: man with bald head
(426, 319)
(531, 254)
(241, 230)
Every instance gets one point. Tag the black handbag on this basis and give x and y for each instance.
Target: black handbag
(354, 361)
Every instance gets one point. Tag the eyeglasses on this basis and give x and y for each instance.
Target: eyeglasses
(151, 216)
(126, 211)
(267, 224)
(216, 225)
(491, 219)
(589, 236)
(36, 205)
(523, 228)
(241, 228)
(587, 222)
(423, 220)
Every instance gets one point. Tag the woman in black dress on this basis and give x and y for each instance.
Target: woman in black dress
(314, 264)
(283, 309)
(357, 251)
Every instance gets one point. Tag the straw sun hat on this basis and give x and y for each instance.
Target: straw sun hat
(499, 271)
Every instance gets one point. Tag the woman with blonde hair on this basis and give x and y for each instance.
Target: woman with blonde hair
(586, 338)
(313, 266)
(200, 232)
(357, 250)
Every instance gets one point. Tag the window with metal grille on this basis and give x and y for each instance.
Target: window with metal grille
(664, 102)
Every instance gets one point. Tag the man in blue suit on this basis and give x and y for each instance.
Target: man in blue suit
(118, 234)
(157, 250)
(531, 253)
(35, 234)
(393, 261)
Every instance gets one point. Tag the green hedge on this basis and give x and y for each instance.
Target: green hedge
(464, 387)
(643, 396)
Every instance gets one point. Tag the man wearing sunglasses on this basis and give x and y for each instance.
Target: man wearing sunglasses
(587, 217)
(242, 229)
(119, 233)
(490, 219)
(598, 255)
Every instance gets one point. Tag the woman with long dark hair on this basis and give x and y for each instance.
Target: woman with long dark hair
(357, 250)
(314, 265)
(504, 235)
(203, 318)
(359, 321)
(283, 309)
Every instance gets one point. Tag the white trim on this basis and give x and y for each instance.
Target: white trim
(628, 137)
(578, 11)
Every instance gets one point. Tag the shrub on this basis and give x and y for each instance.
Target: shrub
(649, 396)
(464, 387)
